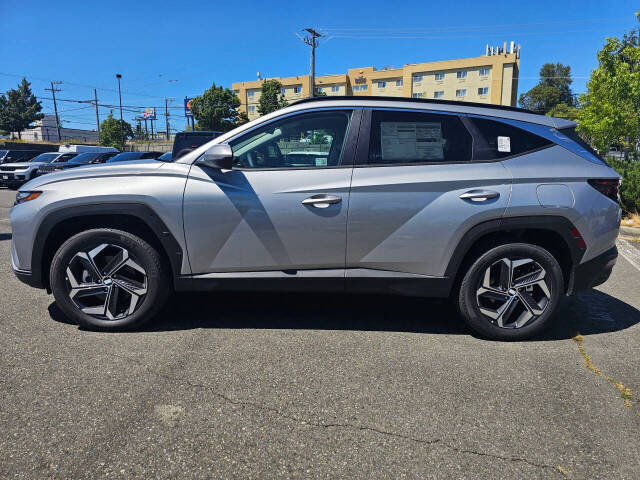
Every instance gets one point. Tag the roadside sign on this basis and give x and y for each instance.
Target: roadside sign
(149, 114)
(187, 107)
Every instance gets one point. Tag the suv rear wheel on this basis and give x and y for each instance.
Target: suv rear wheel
(108, 279)
(511, 292)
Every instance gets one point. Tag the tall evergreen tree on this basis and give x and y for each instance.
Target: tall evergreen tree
(19, 108)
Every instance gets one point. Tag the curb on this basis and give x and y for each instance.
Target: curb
(629, 232)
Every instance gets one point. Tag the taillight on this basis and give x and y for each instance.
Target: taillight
(607, 187)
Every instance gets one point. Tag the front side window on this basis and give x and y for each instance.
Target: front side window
(495, 139)
(308, 140)
(64, 157)
(414, 137)
(461, 74)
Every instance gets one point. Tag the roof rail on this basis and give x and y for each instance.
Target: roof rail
(412, 100)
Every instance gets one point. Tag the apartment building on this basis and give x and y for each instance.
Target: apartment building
(490, 78)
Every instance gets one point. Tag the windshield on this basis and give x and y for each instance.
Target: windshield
(87, 157)
(126, 156)
(45, 157)
(65, 157)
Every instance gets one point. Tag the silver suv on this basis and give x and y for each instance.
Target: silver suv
(501, 210)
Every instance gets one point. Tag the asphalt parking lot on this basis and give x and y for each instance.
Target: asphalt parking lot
(318, 386)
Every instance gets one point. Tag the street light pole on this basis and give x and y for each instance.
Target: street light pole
(118, 76)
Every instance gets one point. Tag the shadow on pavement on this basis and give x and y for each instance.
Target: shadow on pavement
(589, 313)
(5, 236)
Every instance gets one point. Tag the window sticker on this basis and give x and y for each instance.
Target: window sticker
(411, 141)
(504, 144)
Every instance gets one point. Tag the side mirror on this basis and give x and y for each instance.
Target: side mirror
(218, 156)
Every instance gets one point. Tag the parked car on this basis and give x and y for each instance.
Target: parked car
(13, 175)
(166, 157)
(78, 160)
(130, 156)
(15, 156)
(186, 142)
(499, 209)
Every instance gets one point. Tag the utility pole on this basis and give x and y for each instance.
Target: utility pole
(166, 114)
(55, 105)
(95, 97)
(118, 76)
(313, 43)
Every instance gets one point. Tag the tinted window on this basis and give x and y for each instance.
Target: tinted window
(411, 137)
(307, 140)
(87, 157)
(121, 157)
(496, 139)
(65, 157)
(45, 157)
(573, 135)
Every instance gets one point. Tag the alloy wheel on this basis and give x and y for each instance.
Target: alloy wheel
(513, 292)
(106, 282)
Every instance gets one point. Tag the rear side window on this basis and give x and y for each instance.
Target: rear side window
(495, 139)
(412, 137)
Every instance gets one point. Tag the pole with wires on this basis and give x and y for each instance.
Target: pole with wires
(55, 106)
(313, 43)
(118, 76)
(95, 98)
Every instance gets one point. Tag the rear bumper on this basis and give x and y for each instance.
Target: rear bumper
(594, 272)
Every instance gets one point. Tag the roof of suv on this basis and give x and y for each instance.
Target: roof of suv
(453, 106)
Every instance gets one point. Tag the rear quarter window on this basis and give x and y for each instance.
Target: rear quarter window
(495, 139)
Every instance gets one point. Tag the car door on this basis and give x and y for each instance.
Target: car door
(276, 213)
(415, 192)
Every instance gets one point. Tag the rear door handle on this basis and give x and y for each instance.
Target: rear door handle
(321, 200)
(479, 195)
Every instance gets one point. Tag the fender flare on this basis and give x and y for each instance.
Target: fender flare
(141, 211)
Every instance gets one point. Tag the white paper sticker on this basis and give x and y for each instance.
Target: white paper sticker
(504, 144)
(412, 141)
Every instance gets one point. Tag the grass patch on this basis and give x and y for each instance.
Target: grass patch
(631, 220)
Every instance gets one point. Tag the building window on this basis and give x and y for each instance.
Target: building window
(398, 83)
(249, 93)
(461, 74)
(382, 84)
(483, 91)
(252, 109)
(335, 88)
(461, 93)
(297, 89)
(484, 72)
(360, 88)
(440, 76)
(283, 91)
(438, 94)
(417, 78)
(417, 95)
(319, 90)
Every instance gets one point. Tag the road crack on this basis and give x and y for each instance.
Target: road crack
(630, 400)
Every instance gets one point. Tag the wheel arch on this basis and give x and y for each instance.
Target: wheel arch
(553, 233)
(135, 218)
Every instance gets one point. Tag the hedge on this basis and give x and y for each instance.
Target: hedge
(630, 187)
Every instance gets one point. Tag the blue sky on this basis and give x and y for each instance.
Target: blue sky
(174, 49)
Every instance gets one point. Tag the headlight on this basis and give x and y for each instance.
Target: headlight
(22, 197)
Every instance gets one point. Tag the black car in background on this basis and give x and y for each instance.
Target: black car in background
(130, 156)
(186, 142)
(16, 156)
(87, 158)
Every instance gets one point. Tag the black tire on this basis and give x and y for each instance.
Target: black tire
(157, 283)
(473, 280)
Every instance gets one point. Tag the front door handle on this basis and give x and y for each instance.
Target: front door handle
(479, 195)
(321, 200)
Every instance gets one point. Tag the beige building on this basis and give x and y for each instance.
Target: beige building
(490, 78)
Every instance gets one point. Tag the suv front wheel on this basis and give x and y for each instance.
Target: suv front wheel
(511, 292)
(108, 279)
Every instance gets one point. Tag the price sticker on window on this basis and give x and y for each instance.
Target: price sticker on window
(504, 144)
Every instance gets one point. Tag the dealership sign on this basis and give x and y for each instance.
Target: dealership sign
(187, 107)
(149, 114)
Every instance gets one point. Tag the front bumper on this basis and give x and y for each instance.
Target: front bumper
(594, 272)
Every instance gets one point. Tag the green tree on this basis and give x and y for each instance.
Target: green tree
(562, 110)
(19, 108)
(110, 131)
(216, 109)
(553, 88)
(271, 98)
(611, 106)
(139, 133)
